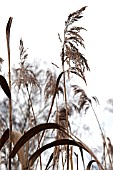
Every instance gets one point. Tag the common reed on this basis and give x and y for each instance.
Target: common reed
(47, 120)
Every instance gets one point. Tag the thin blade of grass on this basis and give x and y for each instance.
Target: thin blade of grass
(5, 86)
(50, 159)
(52, 144)
(32, 132)
(8, 28)
(85, 147)
(81, 151)
(89, 164)
(4, 138)
(57, 83)
(52, 103)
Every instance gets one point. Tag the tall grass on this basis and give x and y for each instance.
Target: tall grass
(9, 73)
(56, 133)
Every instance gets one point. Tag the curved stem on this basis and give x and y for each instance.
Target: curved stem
(103, 137)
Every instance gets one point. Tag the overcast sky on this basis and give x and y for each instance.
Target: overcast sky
(39, 21)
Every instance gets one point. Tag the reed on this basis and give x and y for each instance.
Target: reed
(46, 108)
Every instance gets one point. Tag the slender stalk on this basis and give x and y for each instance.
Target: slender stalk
(71, 158)
(31, 105)
(52, 103)
(65, 98)
(34, 121)
(103, 137)
(62, 160)
(9, 75)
